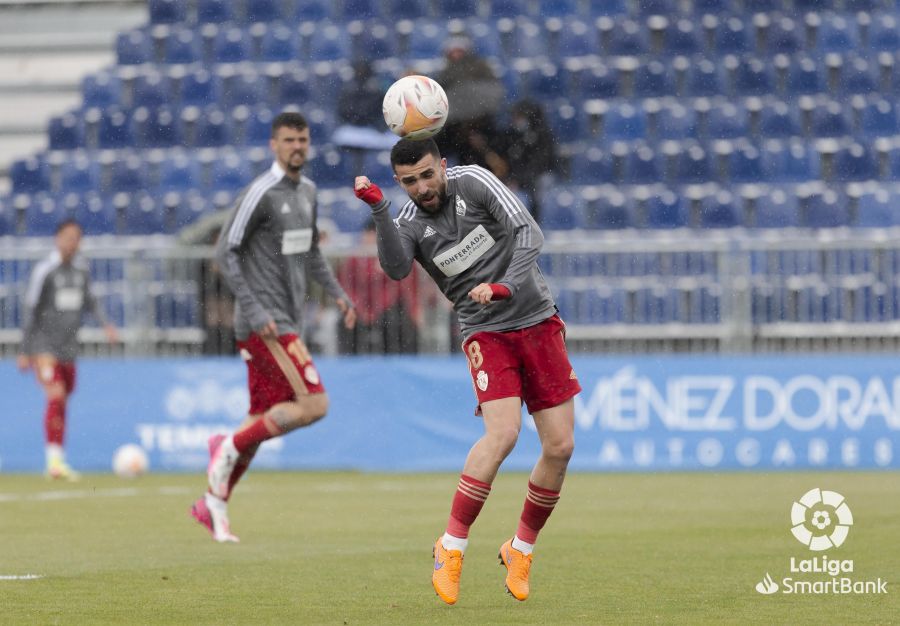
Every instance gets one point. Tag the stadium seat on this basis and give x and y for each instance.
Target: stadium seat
(878, 118)
(184, 209)
(751, 76)
(607, 8)
(704, 79)
(426, 40)
(183, 46)
(6, 223)
(789, 162)
(457, 8)
(207, 128)
(641, 166)
(745, 164)
(329, 43)
(830, 120)
(804, 77)
(30, 175)
(179, 173)
(836, 33)
(785, 36)
(65, 132)
(127, 175)
(321, 123)
(854, 163)
(567, 123)
(682, 38)
(610, 211)
(576, 38)
(548, 83)
(90, 211)
(231, 45)
(877, 209)
(42, 214)
(623, 36)
(255, 125)
(262, 10)
(361, 10)
(156, 128)
(676, 121)
(134, 47)
(348, 214)
(693, 166)
(626, 122)
(721, 210)
(827, 209)
(504, 8)
(295, 88)
(214, 11)
(778, 120)
(666, 210)
(79, 174)
(101, 90)
(167, 11)
(140, 213)
(777, 209)
(230, 173)
(591, 167)
(150, 90)
(657, 7)
(246, 88)
(731, 36)
(330, 167)
(313, 10)
(727, 121)
(114, 130)
(200, 88)
(561, 210)
(857, 77)
(652, 80)
(279, 44)
(884, 35)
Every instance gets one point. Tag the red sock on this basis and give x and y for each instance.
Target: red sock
(470, 496)
(261, 430)
(539, 503)
(55, 421)
(240, 467)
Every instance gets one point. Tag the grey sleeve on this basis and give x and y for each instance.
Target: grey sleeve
(396, 252)
(321, 271)
(228, 256)
(506, 208)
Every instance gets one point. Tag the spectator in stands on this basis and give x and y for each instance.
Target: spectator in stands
(529, 152)
(475, 96)
(388, 311)
(361, 124)
(58, 296)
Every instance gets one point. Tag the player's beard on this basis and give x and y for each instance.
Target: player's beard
(292, 165)
(442, 200)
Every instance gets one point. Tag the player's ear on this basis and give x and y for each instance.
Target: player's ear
(444, 164)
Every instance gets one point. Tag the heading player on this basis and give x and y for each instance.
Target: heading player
(480, 245)
(58, 296)
(267, 245)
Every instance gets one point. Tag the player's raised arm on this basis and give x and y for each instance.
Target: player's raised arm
(395, 252)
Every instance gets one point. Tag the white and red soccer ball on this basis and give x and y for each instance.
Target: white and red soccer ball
(415, 107)
(130, 461)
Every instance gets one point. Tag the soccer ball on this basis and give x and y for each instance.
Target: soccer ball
(415, 107)
(129, 461)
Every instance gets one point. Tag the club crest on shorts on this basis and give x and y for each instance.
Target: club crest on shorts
(311, 375)
(245, 354)
(482, 380)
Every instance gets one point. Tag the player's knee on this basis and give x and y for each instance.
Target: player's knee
(559, 450)
(318, 406)
(503, 441)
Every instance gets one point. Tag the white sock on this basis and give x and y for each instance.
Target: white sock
(215, 504)
(54, 453)
(454, 543)
(521, 546)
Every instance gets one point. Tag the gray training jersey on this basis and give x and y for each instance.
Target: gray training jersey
(264, 249)
(482, 234)
(58, 296)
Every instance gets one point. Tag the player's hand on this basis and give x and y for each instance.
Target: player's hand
(269, 331)
(112, 334)
(486, 293)
(23, 362)
(367, 191)
(348, 311)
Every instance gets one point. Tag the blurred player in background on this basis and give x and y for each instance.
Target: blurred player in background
(480, 245)
(58, 296)
(264, 250)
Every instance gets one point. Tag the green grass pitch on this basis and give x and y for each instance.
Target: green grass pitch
(346, 548)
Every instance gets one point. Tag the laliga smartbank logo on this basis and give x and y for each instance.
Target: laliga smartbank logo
(820, 520)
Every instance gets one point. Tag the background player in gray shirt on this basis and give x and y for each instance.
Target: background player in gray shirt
(58, 296)
(266, 247)
(479, 244)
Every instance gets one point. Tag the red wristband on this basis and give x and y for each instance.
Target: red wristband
(371, 195)
(499, 292)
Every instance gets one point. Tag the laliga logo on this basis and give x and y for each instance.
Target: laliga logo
(821, 519)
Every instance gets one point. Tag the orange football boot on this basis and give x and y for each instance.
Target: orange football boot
(517, 565)
(447, 568)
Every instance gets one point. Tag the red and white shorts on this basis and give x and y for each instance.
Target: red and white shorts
(529, 363)
(269, 381)
(49, 370)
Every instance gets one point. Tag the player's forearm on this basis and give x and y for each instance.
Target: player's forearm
(529, 241)
(322, 273)
(395, 260)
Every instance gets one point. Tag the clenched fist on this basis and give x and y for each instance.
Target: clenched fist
(367, 191)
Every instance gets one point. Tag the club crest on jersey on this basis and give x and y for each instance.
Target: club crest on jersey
(429, 231)
(460, 206)
(482, 380)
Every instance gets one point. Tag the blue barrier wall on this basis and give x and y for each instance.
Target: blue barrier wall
(415, 414)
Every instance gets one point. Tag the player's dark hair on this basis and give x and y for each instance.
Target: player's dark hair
(289, 119)
(65, 224)
(411, 151)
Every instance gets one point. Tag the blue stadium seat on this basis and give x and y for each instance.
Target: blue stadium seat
(789, 162)
(245, 88)
(214, 11)
(785, 36)
(349, 215)
(606, 8)
(693, 166)
(179, 173)
(376, 42)
(884, 34)
(548, 83)
(704, 79)
(313, 10)
(657, 7)
(804, 77)
(330, 168)
(182, 46)
(134, 47)
(427, 40)
(731, 36)
(361, 10)
(504, 8)
(830, 120)
(255, 125)
(141, 215)
(279, 43)
(752, 76)
(653, 80)
(877, 209)
(377, 165)
(295, 88)
(599, 81)
(567, 123)
(878, 118)
(591, 167)
(457, 8)
(625, 121)
(232, 45)
(230, 173)
(321, 123)
(682, 38)
(127, 175)
(666, 210)
(207, 128)
(777, 209)
(676, 121)
(79, 174)
(745, 164)
(150, 90)
(329, 43)
(827, 209)
(200, 88)
(556, 8)
(114, 130)
(42, 214)
(608, 210)
(576, 38)
(262, 10)
(837, 33)
(101, 90)
(721, 210)
(857, 77)
(156, 128)
(184, 209)
(642, 166)
(854, 163)
(30, 175)
(727, 121)
(91, 211)
(65, 132)
(521, 38)
(6, 223)
(167, 11)
(561, 210)
(625, 36)
(778, 120)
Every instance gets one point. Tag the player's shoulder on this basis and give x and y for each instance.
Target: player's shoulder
(474, 175)
(47, 264)
(258, 188)
(308, 182)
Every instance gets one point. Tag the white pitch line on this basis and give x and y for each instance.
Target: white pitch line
(20, 576)
(78, 494)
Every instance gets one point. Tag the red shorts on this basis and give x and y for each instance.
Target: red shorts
(269, 381)
(50, 370)
(529, 363)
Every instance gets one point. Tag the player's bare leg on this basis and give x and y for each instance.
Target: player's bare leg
(502, 422)
(556, 429)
